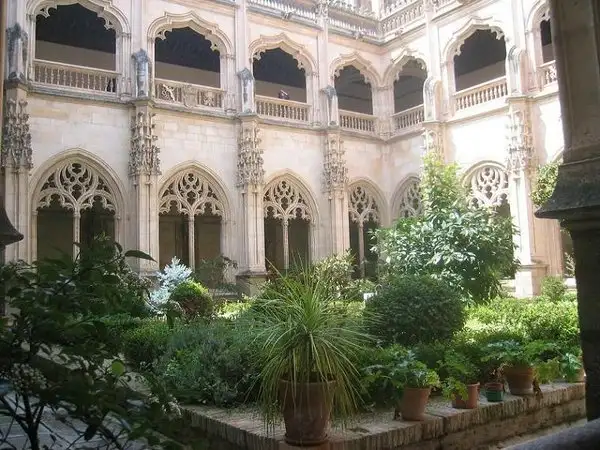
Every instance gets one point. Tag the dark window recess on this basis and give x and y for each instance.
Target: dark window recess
(279, 67)
(481, 49)
(546, 32)
(75, 26)
(187, 48)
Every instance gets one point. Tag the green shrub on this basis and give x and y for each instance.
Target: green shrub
(194, 300)
(145, 344)
(554, 288)
(209, 363)
(415, 309)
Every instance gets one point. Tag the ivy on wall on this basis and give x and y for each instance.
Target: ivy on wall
(545, 183)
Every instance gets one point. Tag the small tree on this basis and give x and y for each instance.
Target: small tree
(469, 248)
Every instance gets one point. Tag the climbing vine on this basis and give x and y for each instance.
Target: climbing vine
(545, 183)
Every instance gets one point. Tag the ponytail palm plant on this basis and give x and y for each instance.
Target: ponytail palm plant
(305, 335)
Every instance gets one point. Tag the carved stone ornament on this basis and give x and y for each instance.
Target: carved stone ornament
(247, 85)
(322, 8)
(16, 141)
(411, 201)
(143, 158)
(335, 172)
(142, 73)
(519, 140)
(363, 206)
(488, 187)
(432, 142)
(190, 193)
(284, 201)
(250, 161)
(17, 52)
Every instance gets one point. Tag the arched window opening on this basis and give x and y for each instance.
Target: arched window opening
(190, 221)
(481, 59)
(408, 86)
(287, 226)
(72, 35)
(353, 91)
(186, 56)
(277, 74)
(75, 205)
(364, 218)
(410, 203)
(546, 41)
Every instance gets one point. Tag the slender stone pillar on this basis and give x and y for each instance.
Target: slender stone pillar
(144, 169)
(251, 184)
(576, 199)
(335, 183)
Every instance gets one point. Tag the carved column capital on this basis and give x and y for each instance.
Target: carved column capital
(144, 153)
(250, 170)
(335, 171)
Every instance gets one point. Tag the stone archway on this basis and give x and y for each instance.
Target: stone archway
(365, 216)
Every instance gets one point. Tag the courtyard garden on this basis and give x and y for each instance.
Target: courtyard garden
(116, 357)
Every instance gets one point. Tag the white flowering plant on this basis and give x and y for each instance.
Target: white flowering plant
(59, 359)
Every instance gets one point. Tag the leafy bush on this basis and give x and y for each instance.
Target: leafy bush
(415, 309)
(470, 248)
(545, 183)
(554, 288)
(194, 300)
(209, 363)
(172, 275)
(145, 344)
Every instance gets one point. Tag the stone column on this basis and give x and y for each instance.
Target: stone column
(576, 199)
(520, 164)
(335, 183)
(16, 164)
(331, 110)
(251, 185)
(142, 71)
(433, 127)
(144, 169)
(17, 53)
(383, 108)
(248, 105)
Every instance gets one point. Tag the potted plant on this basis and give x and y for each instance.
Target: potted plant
(461, 386)
(417, 381)
(307, 346)
(571, 367)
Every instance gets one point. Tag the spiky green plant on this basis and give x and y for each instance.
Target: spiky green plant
(305, 334)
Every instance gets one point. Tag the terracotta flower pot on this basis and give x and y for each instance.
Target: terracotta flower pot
(494, 391)
(306, 411)
(472, 398)
(519, 379)
(413, 403)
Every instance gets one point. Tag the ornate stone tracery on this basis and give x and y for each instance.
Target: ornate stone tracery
(144, 151)
(192, 194)
(362, 205)
(519, 140)
(410, 203)
(250, 160)
(488, 187)
(335, 172)
(76, 186)
(283, 200)
(16, 140)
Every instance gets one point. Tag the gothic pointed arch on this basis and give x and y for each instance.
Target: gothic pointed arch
(407, 200)
(113, 17)
(397, 64)
(193, 190)
(211, 31)
(470, 26)
(363, 65)
(538, 12)
(286, 198)
(487, 185)
(366, 202)
(284, 42)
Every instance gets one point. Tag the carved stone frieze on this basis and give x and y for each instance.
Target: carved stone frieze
(335, 172)
(519, 141)
(433, 141)
(250, 159)
(16, 140)
(17, 41)
(144, 155)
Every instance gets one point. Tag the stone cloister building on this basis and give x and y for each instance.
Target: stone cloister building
(270, 130)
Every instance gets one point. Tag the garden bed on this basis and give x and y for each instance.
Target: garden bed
(445, 427)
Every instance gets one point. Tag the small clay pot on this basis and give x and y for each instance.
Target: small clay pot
(472, 398)
(494, 392)
(519, 379)
(413, 403)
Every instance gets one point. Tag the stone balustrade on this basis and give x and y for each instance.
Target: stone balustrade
(547, 74)
(74, 77)
(287, 8)
(480, 94)
(354, 121)
(408, 13)
(282, 109)
(408, 119)
(188, 95)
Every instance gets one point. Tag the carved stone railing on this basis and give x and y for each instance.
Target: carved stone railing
(408, 119)
(75, 77)
(188, 95)
(402, 14)
(351, 120)
(480, 94)
(547, 74)
(282, 109)
(286, 7)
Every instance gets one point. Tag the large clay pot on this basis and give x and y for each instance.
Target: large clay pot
(472, 398)
(519, 379)
(413, 403)
(306, 411)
